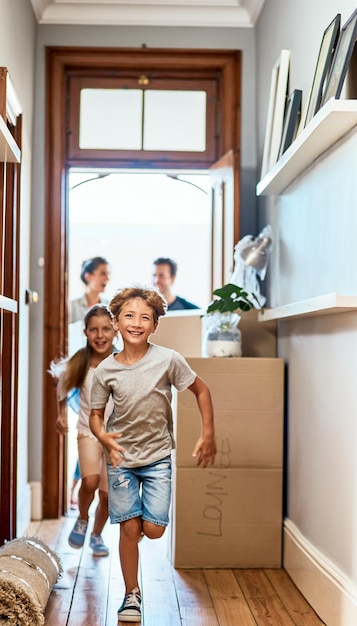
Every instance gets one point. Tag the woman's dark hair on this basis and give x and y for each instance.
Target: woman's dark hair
(90, 265)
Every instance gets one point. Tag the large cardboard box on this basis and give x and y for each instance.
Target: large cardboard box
(230, 514)
(226, 518)
(248, 396)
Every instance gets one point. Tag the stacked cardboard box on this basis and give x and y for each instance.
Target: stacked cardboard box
(230, 514)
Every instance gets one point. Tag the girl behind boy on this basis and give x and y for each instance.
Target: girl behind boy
(139, 432)
(77, 374)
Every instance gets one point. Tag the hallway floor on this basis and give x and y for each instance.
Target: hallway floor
(91, 588)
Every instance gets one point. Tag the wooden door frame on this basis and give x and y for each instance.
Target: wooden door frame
(9, 317)
(59, 61)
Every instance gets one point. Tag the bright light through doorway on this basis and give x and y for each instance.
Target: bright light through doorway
(131, 218)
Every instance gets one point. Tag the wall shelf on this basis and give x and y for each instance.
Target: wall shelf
(334, 120)
(328, 304)
(9, 150)
(8, 304)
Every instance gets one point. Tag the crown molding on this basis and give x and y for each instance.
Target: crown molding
(187, 13)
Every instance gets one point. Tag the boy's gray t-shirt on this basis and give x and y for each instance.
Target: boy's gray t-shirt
(142, 401)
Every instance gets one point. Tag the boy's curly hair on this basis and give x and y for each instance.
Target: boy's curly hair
(152, 298)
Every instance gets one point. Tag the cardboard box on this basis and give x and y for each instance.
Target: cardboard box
(230, 514)
(258, 339)
(226, 518)
(248, 396)
(181, 331)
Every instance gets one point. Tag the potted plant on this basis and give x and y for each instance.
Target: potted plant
(223, 338)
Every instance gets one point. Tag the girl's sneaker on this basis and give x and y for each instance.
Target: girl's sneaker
(130, 610)
(98, 546)
(78, 534)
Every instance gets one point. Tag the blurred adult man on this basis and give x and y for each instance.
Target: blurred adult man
(165, 270)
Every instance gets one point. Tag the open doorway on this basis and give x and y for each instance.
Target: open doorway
(216, 76)
(130, 218)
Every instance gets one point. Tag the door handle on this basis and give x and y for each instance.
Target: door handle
(31, 297)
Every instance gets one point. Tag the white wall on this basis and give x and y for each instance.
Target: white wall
(17, 53)
(315, 253)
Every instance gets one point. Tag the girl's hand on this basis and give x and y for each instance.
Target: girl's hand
(61, 424)
(115, 451)
(205, 451)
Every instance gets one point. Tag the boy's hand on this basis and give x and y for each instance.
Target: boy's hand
(115, 451)
(205, 451)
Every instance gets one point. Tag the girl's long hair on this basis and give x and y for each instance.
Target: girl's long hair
(71, 372)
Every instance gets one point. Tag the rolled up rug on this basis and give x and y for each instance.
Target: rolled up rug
(28, 571)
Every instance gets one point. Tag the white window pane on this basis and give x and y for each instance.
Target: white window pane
(175, 120)
(110, 119)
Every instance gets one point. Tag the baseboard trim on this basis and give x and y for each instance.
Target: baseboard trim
(329, 591)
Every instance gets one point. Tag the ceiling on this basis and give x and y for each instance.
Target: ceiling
(201, 13)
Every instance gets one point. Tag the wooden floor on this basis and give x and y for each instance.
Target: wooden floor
(91, 588)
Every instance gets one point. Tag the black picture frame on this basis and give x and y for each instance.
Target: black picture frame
(341, 59)
(291, 120)
(324, 60)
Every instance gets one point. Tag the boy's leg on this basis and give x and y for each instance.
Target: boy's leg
(156, 497)
(130, 532)
(153, 531)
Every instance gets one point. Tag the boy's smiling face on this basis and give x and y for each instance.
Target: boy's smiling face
(135, 321)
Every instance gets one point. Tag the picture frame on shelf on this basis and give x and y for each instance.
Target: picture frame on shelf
(302, 121)
(278, 94)
(269, 123)
(324, 60)
(291, 120)
(341, 59)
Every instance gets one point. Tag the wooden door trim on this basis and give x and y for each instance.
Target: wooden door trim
(9, 333)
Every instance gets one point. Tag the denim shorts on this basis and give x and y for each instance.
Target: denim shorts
(140, 492)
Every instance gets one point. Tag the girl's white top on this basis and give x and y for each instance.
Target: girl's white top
(84, 406)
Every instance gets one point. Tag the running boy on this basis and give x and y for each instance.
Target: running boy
(139, 433)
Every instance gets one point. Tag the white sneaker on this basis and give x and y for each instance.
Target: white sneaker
(130, 610)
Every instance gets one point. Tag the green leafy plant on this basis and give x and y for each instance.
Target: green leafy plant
(232, 299)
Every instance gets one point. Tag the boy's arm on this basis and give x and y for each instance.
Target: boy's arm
(108, 440)
(205, 448)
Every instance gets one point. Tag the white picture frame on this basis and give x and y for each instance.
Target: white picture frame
(279, 88)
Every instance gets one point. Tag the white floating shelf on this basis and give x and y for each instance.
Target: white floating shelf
(328, 304)
(9, 150)
(8, 304)
(334, 120)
